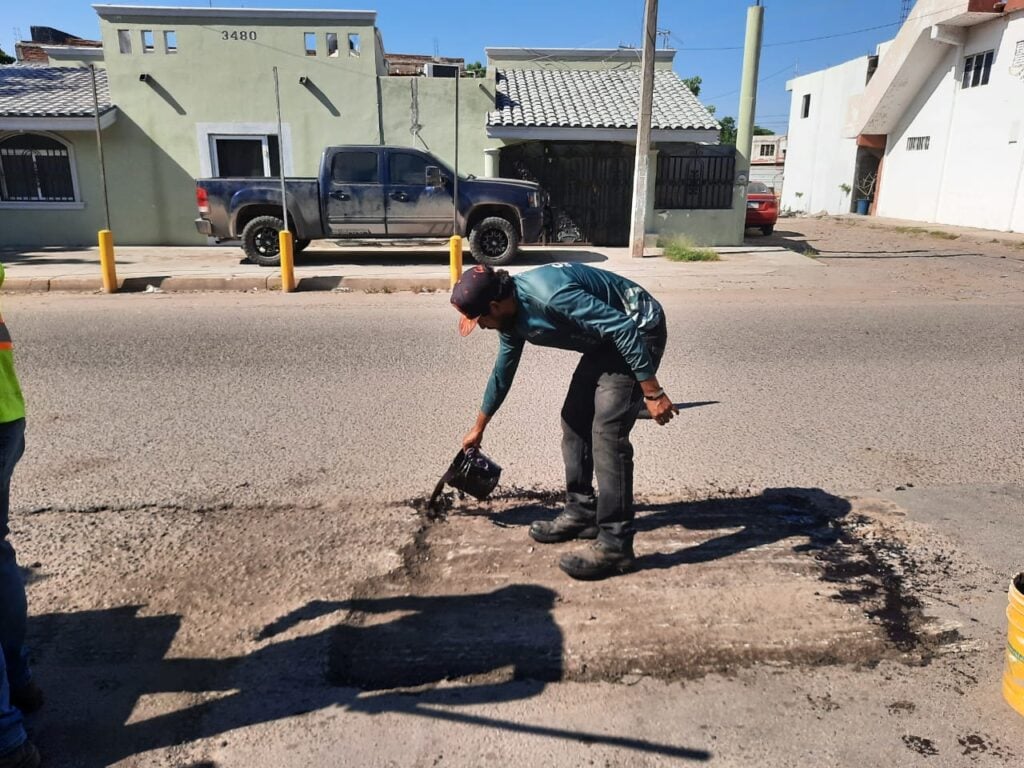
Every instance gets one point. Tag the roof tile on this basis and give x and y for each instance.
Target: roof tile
(33, 91)
(610, 98)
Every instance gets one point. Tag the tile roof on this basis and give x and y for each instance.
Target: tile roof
(607, 98)
(34, 91)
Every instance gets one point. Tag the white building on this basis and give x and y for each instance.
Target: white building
(936, 117)
(768, 161)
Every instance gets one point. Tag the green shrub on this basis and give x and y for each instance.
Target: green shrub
(679, 248)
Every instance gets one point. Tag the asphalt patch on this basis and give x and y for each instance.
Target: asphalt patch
(788, 577)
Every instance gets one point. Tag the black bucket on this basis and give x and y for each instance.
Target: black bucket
(473, 473)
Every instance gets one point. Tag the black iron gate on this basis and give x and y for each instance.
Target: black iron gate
(590, 183)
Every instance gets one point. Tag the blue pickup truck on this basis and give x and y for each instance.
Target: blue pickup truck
(371, 192)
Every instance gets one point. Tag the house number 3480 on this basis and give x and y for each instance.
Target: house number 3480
(238, 35)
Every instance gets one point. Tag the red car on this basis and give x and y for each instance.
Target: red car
(762, 207)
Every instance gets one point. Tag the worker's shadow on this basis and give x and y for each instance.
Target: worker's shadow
(107, 662)
(108, 673)
(808, 515)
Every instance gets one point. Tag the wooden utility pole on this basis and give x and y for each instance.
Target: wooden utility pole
(638, 221)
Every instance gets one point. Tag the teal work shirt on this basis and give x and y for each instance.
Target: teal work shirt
(574, 307)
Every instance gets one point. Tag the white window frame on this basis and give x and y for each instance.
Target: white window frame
(770, 150)
(977, 62)
(42, 205)
(205, 132)
(263, 139)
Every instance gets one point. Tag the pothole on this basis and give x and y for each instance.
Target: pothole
(786, 577)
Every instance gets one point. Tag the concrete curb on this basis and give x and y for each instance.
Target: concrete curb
(212, 283)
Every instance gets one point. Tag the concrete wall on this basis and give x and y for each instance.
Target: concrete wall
(214, 85)
(972, 173)
(818, 158)
(419, 112)
(724, 227)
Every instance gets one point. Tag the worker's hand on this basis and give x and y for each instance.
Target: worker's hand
(661, 410)
(473, 438)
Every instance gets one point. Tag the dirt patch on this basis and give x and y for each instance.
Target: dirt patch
(787, 577)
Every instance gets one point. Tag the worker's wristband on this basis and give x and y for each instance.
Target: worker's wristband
(656, 396)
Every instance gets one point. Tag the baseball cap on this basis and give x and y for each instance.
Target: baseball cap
(473, 293)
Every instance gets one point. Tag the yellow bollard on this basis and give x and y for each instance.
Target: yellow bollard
(1013, 677)
(455, 258)
(107, 266)
(284, 239)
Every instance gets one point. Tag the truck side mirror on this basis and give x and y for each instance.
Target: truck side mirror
(434, 177)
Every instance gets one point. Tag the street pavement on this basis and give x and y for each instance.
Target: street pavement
(218, 508)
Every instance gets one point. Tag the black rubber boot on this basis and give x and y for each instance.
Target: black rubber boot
(599, 561)
(565, 527)
(23, 756)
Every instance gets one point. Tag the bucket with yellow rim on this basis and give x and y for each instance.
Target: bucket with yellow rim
(1013, 677)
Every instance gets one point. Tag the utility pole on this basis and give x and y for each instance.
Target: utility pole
(638, 221)
(748, 89)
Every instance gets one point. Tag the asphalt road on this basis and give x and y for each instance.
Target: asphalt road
(194, 401)
(237, 455)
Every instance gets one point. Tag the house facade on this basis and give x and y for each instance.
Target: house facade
(768, 161)
(185, 93)
(932, 127)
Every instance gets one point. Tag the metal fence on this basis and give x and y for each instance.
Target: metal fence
(696, 177)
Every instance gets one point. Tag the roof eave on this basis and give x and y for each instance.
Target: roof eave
(57, 122)
(111, 12)
(580, 133)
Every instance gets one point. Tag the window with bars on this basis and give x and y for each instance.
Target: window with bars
(35, 168)
(767, 150)
(918, 143)
(977, 69)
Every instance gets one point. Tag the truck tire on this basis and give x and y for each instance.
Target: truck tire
(494, 241)
(260, 243)
(767, 229)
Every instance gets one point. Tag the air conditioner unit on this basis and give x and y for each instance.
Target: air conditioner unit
(433, 69)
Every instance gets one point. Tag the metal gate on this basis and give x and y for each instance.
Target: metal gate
(590, 183)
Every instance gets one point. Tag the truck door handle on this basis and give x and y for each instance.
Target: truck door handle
(401, 197)
(340, 196)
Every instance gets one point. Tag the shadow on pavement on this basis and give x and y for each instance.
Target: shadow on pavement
(799, 243)
(397, 257)
(102, 667)
(776, 514)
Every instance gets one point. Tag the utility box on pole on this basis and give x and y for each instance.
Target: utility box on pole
(638, 220)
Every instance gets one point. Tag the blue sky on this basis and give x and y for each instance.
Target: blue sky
(465, 27)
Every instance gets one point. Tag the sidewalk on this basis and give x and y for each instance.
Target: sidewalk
(327, 266)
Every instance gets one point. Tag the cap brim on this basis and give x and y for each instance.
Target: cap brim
(466, 325)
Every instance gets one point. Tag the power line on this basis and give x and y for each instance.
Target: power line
(793, 42)
(938, 12)
(763, 79)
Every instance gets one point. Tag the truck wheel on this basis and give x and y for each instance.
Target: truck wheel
(767, 230)
(494, 241)
(259, 241)
(298, 246)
